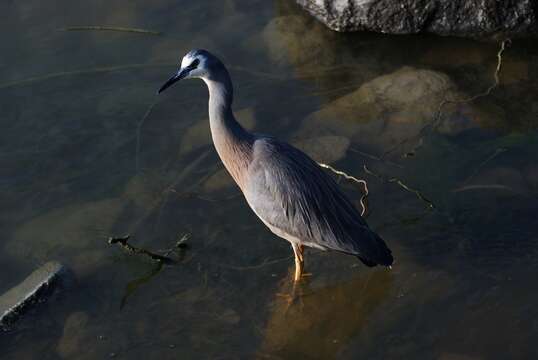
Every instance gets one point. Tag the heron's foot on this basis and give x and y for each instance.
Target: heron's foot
(287, 299)
(292, 298)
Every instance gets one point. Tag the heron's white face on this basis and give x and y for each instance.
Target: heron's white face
(194, 66)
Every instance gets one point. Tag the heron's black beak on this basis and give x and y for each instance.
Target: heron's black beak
(180, 75)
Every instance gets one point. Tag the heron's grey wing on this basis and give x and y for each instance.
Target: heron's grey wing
(291, 193)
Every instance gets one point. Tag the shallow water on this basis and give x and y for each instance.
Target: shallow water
(81, 162)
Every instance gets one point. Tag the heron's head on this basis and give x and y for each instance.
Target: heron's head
(195, 64)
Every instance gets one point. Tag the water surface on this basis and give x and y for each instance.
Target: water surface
(81, 161)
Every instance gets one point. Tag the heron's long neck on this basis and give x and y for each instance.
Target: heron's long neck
(233, 143)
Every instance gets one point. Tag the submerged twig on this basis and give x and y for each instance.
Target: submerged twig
(374, 157)
(138, 128)
(495, 77)
(97, 70)
(197, 195)
(497, 152)
(133, 285)
(483, 187)
(439, 112)
(402, 185)
(265, 262)
(180, 244)
(111, 28)
(106, 69)
(160, 201)
(123, 241)
(352, 178)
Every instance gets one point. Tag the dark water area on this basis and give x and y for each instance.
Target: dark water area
(88, 151)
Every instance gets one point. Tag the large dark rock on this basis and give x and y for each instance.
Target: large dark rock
(470, 18)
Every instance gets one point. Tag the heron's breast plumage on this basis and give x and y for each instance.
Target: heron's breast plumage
(236, 157)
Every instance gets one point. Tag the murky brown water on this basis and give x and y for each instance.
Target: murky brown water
(80, 163)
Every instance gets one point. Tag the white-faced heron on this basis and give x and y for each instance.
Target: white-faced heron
(288, 191)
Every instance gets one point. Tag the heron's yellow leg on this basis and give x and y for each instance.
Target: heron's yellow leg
(299, 261)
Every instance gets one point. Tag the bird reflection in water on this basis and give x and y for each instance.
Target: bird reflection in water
(322, 319)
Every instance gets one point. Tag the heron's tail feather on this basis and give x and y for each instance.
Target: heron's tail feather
(379, 253)
(366, 261)
(385, 255)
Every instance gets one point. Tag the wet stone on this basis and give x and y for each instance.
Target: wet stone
(65, 232)
(218, 181)
(36, 287)
(453, 356)
(396, 106)
(230, 317)
(500, 179)
(290, 38)
(514, 71)
(144, 189)
(88, 262)
(71, 343)
(445, 55)
(86, 336)
(389, 106)
(199, 135)
(325, 149)
(532, 177)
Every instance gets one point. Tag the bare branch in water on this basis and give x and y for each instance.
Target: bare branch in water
(484, 187)
(497, 152)
(437, 115)
(264, 263)
(402, 185)
(123, 241)
(98, 70)
(138, 128)
(194, 194)
(351, 178)
(374, 157)
(111, 28)
(115, 68)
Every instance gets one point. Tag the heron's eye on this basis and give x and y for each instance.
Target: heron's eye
(194, 64)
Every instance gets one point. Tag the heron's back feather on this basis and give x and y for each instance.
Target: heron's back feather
(295, 197)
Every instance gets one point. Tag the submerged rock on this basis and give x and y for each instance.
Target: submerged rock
(33, 289)
(199, 135)
(219, 181)
(88, 336)
(384, 109)
(395, 107)
(72, 341)
(475, 18)
(407, 95)
(514, 71)
(325, 149)
(499, 179)
(532, 177)
(66, 232)
(469, 53)
(291, 38)
(453, 356)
